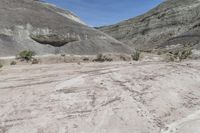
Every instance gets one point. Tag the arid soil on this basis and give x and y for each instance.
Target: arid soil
(117, 97)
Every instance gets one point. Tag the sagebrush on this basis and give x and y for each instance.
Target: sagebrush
(136, 55)
(26, 55)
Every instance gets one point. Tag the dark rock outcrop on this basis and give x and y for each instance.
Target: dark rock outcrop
(172, 22)
(54, 39)
(46, 29)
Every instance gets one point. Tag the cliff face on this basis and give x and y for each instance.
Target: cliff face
(172, 22)
(46, 29)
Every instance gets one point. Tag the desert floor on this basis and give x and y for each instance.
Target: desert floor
(116, 97)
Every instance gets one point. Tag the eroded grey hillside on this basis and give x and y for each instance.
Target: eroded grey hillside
(172, 22)
(44, 28)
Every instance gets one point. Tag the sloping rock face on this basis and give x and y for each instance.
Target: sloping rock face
(172, 22)
(46, 29)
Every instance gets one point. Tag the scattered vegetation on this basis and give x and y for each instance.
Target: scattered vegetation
(179, 55)
(136, 56)
(102, 58)
(13, 63)
(26, 55)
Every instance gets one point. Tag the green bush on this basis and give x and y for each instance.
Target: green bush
(13, 63)
(136, 56)
(26, 55)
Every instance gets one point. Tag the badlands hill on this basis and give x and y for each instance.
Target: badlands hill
(170, 23)
(46, 29)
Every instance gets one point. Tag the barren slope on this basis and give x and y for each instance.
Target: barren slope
(172, 22)
(145, 97)
(44, 28)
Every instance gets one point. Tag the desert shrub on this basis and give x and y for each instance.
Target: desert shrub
(136, 56)
(102, 58)
(63, 55)
(13, 63)
(1, 65)
(179, 55)
(123, 58)
(26, 55)
(184, 54)
(107, 58)
(86, 59)
(99, 58)
(170, 57)
(35, 61)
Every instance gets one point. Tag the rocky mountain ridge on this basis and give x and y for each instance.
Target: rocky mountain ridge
(170, 23)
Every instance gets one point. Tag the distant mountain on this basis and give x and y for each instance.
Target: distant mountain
(46, 29)
(174, 22)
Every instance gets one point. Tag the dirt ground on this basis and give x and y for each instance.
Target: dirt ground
(116, 97)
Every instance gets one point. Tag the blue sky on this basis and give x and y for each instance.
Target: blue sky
(105, 12)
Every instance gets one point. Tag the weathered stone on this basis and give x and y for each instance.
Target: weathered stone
(53, 39)
(46, 29)
(172, 22)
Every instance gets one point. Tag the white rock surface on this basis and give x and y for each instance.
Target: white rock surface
(137, 97)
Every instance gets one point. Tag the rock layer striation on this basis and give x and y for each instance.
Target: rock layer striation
(170, 23)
